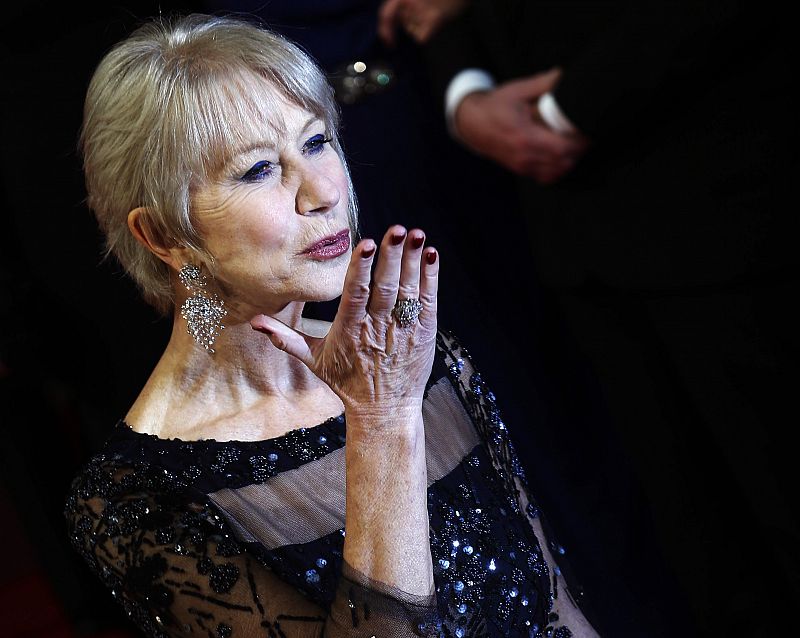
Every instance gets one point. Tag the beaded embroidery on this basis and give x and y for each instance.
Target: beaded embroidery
(140, 515)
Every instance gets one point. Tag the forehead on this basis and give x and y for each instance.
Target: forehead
(243, 110)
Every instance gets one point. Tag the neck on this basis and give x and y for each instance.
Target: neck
(242, 357)
(240, 381)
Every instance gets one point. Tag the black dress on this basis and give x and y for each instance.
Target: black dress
(244, 538)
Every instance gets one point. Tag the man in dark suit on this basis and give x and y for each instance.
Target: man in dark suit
(655, 144)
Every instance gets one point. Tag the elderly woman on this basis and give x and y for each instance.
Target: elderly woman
(219, 504)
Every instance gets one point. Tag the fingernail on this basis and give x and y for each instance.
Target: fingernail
(367, 252)
(416, 242)
(398, 237)
(431, 257)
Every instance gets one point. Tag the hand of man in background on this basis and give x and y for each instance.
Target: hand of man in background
(420, 18)
(504, 125)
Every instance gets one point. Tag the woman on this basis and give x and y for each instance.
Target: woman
(218, 505)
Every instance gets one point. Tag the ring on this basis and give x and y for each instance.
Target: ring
(406, 311)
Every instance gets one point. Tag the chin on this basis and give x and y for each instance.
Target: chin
(323, 295)
(329, 284)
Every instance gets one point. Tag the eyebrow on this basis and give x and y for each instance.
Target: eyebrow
(270, 144)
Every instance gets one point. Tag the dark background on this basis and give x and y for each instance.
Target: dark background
(75, 341)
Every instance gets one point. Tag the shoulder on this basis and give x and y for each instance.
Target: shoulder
(124, 476)
(116, 498)
(111, 489)
(156, 545)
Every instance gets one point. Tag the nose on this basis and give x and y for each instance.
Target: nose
(318, 192)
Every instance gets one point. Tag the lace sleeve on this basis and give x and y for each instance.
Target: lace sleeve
(480, 402)
(171, 560)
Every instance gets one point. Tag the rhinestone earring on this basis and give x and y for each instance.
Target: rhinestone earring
(202, 310)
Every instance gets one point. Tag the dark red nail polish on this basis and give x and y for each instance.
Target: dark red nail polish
(398, 238)
(431, 257)
(416, 242)
(367, 253)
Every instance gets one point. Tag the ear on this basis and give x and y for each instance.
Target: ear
(141, 228)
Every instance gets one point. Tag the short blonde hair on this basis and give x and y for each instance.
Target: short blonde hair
(165, 109)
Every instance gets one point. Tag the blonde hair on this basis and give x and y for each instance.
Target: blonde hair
(166, 108)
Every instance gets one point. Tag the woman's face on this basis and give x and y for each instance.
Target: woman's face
(275, 218)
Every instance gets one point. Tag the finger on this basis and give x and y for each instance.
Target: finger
(424, 30)
(410, 266)
(536, 114)
(527, 162)
(429, 287)
(355, 294)
(387, 20)
(545, 145)
(383, 291)
(535, 85)
(301, 346)
(548, 173)
(539, 158)
(430, 19)
(412, 23)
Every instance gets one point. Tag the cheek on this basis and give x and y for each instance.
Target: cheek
(243, 226)
(267, 222)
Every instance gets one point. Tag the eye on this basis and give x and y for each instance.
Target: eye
(258, 171)
(315, 145)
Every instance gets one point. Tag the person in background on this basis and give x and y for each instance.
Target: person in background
(655, 146)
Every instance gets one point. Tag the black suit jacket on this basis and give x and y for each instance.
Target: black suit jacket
(693, 130)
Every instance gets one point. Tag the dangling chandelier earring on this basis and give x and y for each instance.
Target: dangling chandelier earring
(203, 311)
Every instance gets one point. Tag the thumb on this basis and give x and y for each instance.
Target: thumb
(297, 344)
(537, 85)
(388, 19)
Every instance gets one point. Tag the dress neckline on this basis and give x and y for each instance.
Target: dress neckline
(331, 423)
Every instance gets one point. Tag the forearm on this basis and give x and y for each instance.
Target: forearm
(386, 517)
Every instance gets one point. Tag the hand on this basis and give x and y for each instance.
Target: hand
(503, 125)
(373, 364)
(419, 18)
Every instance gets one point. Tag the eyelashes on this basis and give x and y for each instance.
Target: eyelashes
(263, 168)
(258, 171)
(315, 144)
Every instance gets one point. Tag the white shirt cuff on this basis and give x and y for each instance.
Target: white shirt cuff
(553, 116)
(465, 82)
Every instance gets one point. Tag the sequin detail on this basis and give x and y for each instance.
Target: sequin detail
(140, 516)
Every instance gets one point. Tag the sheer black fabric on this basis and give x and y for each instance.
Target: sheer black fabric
(245, 538)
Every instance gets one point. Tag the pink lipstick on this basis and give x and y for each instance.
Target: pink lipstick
(330, 247)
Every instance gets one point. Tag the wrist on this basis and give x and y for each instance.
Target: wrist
(363, 423)
(464, 84)
(462, 113)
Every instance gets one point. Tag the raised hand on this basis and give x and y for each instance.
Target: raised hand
(374, 364)
(419, 18)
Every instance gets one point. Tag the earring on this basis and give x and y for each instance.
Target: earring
(203, 311)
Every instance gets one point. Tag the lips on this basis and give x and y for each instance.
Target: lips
(331, 246)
